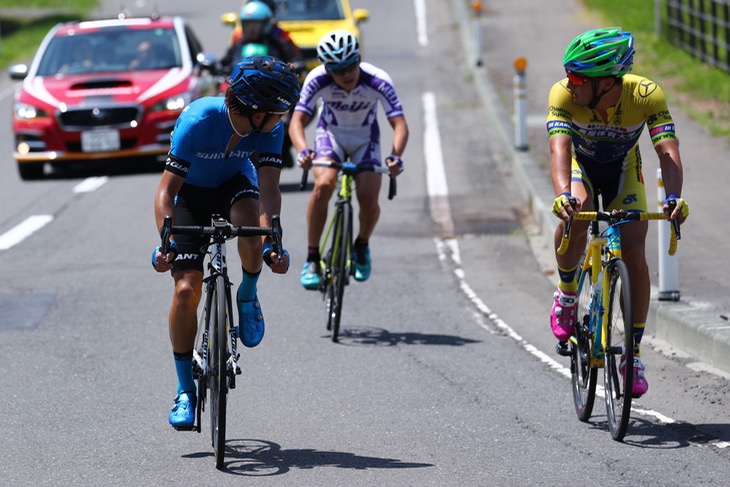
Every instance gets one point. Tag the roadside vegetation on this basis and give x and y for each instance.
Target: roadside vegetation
(696, 88)
(22, 27)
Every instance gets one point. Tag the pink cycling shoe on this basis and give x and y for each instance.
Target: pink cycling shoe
(639, 385)
(562, 316)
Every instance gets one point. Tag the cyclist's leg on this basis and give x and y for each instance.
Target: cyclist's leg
(631, 195)
(244, 211)
(187, 272)
(366, 151)
(562, 314)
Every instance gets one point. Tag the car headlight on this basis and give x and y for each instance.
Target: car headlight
(174, 104)
(28, 112)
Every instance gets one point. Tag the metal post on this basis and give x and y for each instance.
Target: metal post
(477, 7)
(668, 264)
(520, 95)
(658, 18)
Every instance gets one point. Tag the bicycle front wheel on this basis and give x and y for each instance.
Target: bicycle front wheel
(218, 367)
(340, 261)
(583, 376)
(619, 350)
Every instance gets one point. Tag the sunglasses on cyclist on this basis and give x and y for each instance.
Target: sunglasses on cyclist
(576, 79)
(340, 70)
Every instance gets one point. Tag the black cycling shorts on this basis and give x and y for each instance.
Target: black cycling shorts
(195, 205)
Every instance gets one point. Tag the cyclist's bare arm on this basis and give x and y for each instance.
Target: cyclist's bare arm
(560, 161)
(270, 204)
(400, 139)
(169, 186)
(672, 175)
(298, 121)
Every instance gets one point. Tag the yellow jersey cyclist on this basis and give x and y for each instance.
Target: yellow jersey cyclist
(596, 115)
(347, 128)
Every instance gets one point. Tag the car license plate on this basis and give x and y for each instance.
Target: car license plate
(100, 140)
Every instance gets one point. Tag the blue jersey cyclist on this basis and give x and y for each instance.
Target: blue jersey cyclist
(347, 129)
(225, 158)
(596, 115)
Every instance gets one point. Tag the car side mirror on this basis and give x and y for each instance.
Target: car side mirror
(18, 71)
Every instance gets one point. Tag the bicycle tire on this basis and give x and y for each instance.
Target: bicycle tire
(619, 343)
(340, 274)
(328, 290)
(218, 362)
(583, 376)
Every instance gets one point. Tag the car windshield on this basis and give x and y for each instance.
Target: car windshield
(293, 10)
(111, 50)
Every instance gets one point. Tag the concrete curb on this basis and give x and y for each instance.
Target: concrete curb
(698, 331)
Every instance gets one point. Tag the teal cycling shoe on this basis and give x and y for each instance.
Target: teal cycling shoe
(311, 276)
(363, 269)
(182, 414)
(251, 325)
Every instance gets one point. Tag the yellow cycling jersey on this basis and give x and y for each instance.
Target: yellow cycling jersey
(642, 102)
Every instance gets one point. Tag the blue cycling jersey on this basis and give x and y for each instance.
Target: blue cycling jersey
(201, 135)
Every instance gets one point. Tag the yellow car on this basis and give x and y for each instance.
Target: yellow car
(307, 21)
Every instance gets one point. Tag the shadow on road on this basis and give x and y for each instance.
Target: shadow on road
(259, 458)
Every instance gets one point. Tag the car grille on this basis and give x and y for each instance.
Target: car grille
(85, 117)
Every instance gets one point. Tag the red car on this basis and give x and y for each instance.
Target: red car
(106, 89)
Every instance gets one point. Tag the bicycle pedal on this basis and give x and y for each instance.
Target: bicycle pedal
(562, 349)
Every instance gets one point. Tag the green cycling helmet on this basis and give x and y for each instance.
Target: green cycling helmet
(600, 52)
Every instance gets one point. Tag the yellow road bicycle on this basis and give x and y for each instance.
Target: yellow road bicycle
(604, 330)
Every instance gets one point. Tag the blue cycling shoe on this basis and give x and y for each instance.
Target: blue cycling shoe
(251, 325)
(182, 414)
(311, 276)
(363, 270)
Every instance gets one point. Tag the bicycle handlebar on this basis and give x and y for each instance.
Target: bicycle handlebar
(620, 217)
(352, 169)
(221, 229)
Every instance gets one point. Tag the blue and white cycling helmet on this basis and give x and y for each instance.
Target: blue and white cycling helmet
(338, 49)
(265, 83)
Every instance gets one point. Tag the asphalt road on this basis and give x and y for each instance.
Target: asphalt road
(445, 374)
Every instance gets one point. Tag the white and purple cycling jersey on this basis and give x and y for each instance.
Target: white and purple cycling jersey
(348, 125)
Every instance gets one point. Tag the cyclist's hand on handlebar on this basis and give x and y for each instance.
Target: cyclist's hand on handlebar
(395, 164)
(164, 263)
(681, 211)
(562, 207)
(305, 158)
(278, 264)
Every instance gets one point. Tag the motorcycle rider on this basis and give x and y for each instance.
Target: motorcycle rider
(260, 38)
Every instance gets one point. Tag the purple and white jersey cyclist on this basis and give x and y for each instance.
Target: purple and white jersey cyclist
(348, 124)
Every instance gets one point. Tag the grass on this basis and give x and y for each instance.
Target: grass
(22, 33)
(698, 89)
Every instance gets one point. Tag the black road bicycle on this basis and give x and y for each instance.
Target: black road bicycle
(215, 356)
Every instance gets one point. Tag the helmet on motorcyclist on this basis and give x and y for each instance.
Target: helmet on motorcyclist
(256, 20)
(265, 83)
(338, 49)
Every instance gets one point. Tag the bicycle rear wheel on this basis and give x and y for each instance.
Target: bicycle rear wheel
(218, 363)
(619, 347)
(583, 376)
(340, 271)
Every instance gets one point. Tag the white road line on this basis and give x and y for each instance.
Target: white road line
(22, 231)
(420, 6)
(90, 184)
(436, 186)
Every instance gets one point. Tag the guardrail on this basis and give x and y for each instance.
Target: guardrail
(700, 27)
